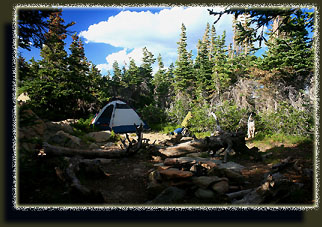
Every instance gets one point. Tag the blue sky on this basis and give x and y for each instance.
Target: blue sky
(119, 33)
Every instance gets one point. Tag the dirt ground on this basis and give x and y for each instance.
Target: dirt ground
(128, 177)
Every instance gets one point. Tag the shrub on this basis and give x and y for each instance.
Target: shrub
(152, 114)
(287, 120)
(83, 126)
(230, 117)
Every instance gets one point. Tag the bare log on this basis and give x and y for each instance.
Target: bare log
(228, 141)
(183, 148)
(96, 153)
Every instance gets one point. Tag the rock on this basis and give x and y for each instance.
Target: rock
(250, 198)
(232, 166)
(99, 137)
(156, 159)
(64, 139)
(198, 170)
(108, 145)
(204, 193)
(169, 195)
(36, 129)
(204, 181)
(154, 176)
(178, 161)
(197, 154)
(154, 188)
(93, 146)
(173, 173)
(208, 164)
(162, 167)
(220, 187)
(233, 176)
(60, 125)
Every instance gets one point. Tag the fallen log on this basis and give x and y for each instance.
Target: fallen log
(226, 140)
(90, 154)
(132, 147)
(183, 148)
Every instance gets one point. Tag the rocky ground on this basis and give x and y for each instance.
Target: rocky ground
(283, 175)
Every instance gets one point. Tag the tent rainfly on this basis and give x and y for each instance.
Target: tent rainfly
(119, 117)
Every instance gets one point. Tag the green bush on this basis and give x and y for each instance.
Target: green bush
(287, 120)
(153, 115)
(83, 126)
(179, 110)
(230, 117)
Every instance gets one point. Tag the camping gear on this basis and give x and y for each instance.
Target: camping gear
(119, 117)
(177, 131)
(186, 119)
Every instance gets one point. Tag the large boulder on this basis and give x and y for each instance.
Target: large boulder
(64, 139)
(173, 173)
(221, 187)
(204, 194)
(205, 181)
(34, 128)
(64, 125)
(100, 137)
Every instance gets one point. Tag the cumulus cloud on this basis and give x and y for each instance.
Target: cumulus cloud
(159, 32)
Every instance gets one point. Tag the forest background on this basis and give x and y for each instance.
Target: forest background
(229, 80)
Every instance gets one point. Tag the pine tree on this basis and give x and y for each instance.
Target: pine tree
(184, 75)
(291, 53)
(117, 73)
(203, 64)
(212, 44)
(162, 82)
(222, 76)
(80, 78)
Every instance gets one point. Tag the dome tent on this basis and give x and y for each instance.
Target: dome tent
(119, 117)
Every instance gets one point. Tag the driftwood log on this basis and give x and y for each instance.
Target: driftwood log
(228, 141)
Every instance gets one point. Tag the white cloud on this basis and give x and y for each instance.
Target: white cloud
(159, 32)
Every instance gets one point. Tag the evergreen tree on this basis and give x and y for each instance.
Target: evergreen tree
(184, 75)
(291, 54)
(212, 44)
(117, 73)
(203, 64)
(162, 84)
(116, 82)
(32, 24)
(222, 76)
(49, 88)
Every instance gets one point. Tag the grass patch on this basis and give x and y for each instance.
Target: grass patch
(281, 138)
